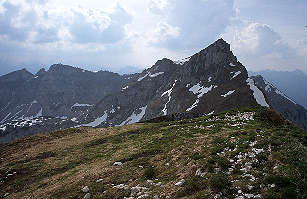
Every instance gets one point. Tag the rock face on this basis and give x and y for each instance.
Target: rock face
(282, 103)
(208, 82)
(291, 83)
(62, 91)
(51, 100)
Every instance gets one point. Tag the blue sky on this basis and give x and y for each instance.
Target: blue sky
(89, 34)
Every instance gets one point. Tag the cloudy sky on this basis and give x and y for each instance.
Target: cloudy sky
(91, 34)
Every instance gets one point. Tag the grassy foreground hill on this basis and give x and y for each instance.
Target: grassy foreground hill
(247, 153)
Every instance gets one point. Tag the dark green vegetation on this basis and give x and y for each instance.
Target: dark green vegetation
(221, 155)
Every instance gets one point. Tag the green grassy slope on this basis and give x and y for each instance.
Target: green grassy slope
(253, 153)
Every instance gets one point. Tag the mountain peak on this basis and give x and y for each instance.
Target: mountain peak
(41, 72)
(62, 68)
(22, 74)
(222, 44)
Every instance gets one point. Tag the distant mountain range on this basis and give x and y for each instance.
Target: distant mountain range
(292, 83)
(210, 81)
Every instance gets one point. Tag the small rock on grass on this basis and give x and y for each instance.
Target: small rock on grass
(180, 183)
(100, 180)
(87, 196)
(85, 189)
(117, 164)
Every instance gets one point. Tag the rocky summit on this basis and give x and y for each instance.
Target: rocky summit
(208, 82)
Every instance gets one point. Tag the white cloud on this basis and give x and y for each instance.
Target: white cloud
(119, 33)
(259, 47)
(95, 26)
(199, 22)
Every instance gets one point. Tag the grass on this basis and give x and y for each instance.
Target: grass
(60, 164)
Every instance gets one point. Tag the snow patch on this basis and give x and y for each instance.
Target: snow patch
(200, 90)
(231, 64)
(235, 74)
(97, 121)
(168, 92)
(268, 88)
(141, 78)
(182, 61)
(193, 105)
(211, 113)
(112, 110)
(258, 95)
(40, 113)
(150, 75)
(81, 105)
(135, 117)
(156, 74)
(209, 79)
(3, 128)
(229, 93)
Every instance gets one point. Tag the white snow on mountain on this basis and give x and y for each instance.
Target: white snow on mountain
(200, 90)
(135, 117)
(97, 121)
(156, 74)
(268, 88)
(150, 75)
(112, 110)
(235, 74)
(193, 105)
(182, 61)
(211, 113)
(141, 78)
(168, 92)
(258, 95)
(228, 93)
(2, 128)
(81, 105)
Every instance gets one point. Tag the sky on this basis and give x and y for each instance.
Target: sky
(100, 34)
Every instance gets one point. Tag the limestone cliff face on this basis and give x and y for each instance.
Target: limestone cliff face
(61, 91)
(210, 81)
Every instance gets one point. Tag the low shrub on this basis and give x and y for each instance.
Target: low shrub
(191, 186)
(219, 182)
(150, 173)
